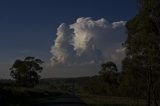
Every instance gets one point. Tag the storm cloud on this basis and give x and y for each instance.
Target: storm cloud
(88, 41)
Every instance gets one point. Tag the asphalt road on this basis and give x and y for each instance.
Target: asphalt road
(67, 100)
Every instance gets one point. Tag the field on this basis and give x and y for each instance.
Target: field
(52, 89)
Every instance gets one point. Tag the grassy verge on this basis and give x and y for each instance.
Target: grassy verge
(93, 100)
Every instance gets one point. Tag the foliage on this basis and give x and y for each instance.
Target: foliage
(26, 72)
(109, 72)
(142, 62)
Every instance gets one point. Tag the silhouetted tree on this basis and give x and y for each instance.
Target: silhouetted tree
(26, 72)
(142, 46)
(109, 72)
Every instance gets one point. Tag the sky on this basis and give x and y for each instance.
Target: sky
(67, 31)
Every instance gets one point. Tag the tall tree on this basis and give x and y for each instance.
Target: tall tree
(143, 46)
(26, 72)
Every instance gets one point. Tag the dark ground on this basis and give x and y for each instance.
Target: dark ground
(67, 100)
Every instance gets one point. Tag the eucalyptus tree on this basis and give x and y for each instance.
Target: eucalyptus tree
(143, 46)
(26, 72)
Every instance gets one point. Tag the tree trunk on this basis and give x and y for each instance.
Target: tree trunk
(149, 95)
(149, 86)
(155, 96)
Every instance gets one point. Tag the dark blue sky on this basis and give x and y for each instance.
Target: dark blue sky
(28, 27)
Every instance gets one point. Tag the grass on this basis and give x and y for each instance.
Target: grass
(93, 100)
(51, 89)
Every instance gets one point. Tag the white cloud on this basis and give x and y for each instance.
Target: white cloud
(85, 29)
(118, 24)
(118, 56)
(60, 50)
(88, 41)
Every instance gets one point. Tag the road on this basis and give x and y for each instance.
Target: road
(67, 100)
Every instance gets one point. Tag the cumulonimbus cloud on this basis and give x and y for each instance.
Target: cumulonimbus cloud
(87, 41)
